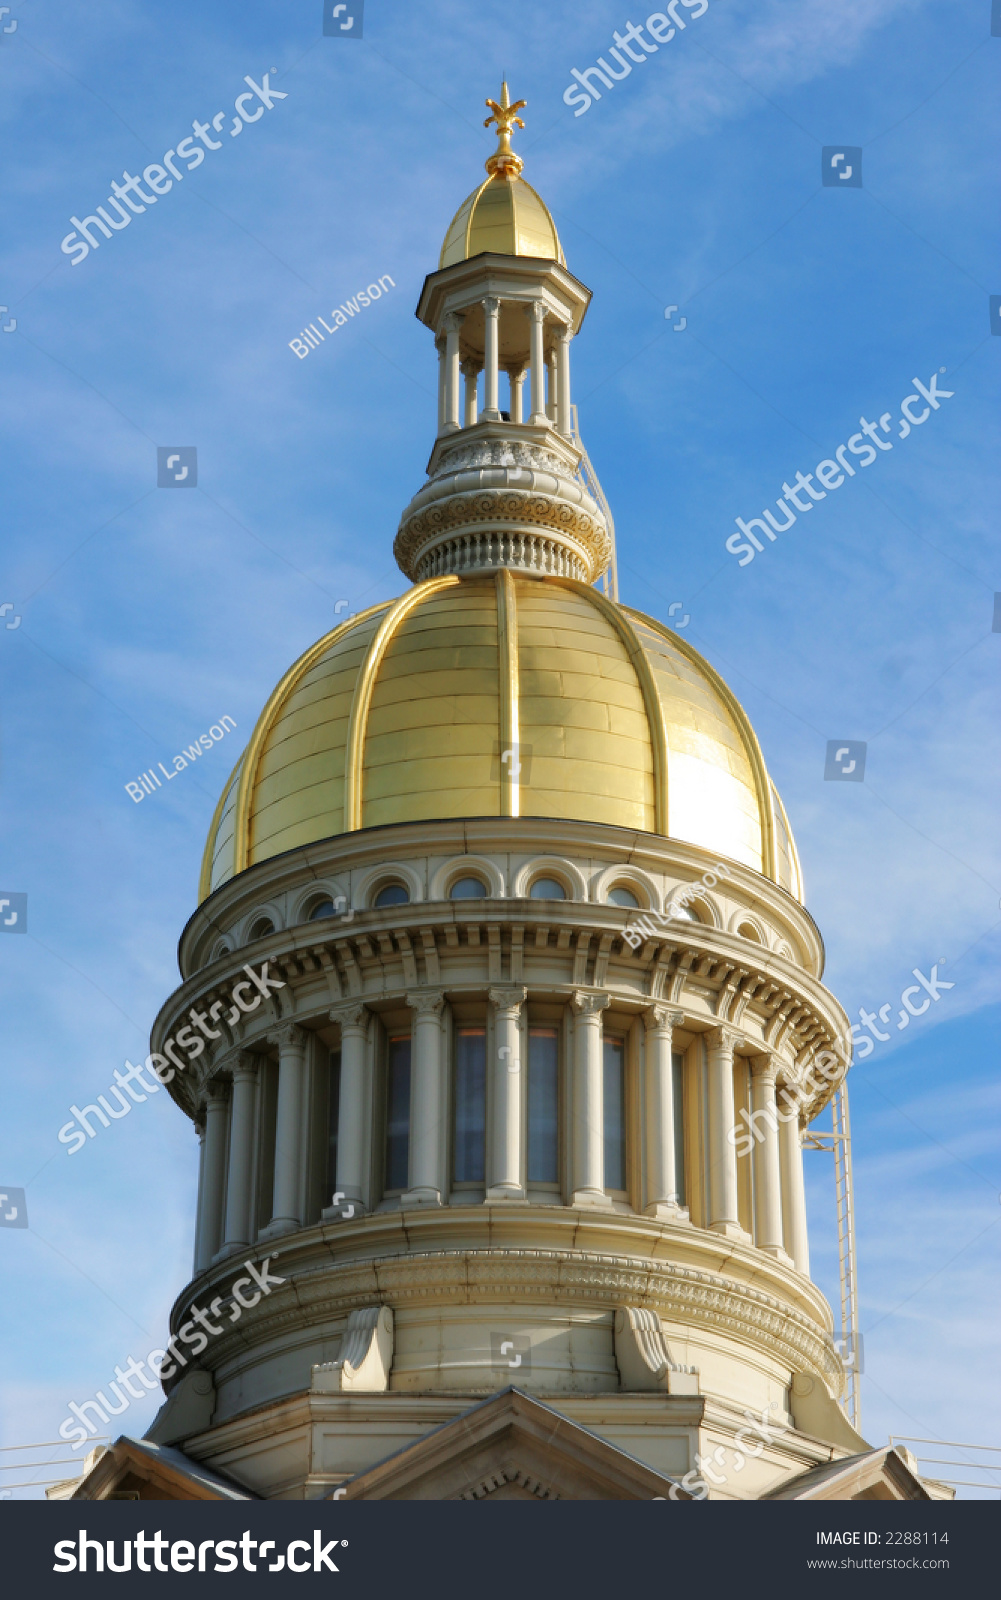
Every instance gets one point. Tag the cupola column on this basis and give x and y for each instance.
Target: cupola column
(491, 358)
(292, 1043)
(453, 322)
(723, 1214)
(551, 370)
(427, 1102)
(353, 1104)
(440, 344)
(563, 381)
(504, 1179)
(516, 378)
(662, 1197)
(470, 373)
(537, 316)
(767, 1173)
(793, 1194)
(210, 1189)
(588, 1173)
(241, 1153)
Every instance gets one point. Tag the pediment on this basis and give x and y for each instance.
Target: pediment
(876, 1475)
(138, 1469)
(510, 1447)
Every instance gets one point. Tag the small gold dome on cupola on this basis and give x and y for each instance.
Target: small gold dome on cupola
(504, 215)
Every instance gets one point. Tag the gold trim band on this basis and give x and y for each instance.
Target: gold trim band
(361, 700)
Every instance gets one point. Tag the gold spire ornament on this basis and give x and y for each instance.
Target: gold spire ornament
(504, 163)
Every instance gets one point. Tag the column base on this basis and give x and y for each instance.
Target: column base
(668, 1211)
(507, 1191)
(594, 1199)
(339, 1212)
(420, 1197)
(278, 1227)
(778, 1254)
(731, 1230)
(228, 1250)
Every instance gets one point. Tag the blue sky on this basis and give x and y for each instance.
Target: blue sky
(147, 614)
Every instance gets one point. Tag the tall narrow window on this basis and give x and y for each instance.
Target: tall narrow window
(470, 1104)
(615, 1112)
(678, 1091)
(333, 1120)
(543, 1106)
(398, 1113)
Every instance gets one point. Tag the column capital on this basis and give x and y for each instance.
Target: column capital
(564, 332)
(289, 1037)
(491, 304)
(245, 1066)
(765, 1066)
(425, 1001)
(471, 367)
(350, 1015)
(724, 1038)
(453, 322)
(215, 1094)
(661, 1019)
(510, 999)
(588, 1003)
(536, 310)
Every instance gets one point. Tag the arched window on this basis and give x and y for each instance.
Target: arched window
(392, 894)
(621, 896)
(262, 927)
(547, 889)
(614, 1064)
(322, 908)
(468, 889)
(685, 913)
(748, 931)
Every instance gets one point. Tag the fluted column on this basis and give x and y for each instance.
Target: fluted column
(491, 358)
(453, 322)
(285, 1216)
(239, 1221)
(352, 1106)
(208, 1230)
(662, 1198)
(470, 375)
(537, 317)
(504, 1172)
(440, 346)
(767, 1171)
(793, 1193)
(427, 1109)
(563, 381)
(516, 378)
(724, 1216)
(588, 1182)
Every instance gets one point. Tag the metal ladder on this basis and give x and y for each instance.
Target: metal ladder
(839, 1140)
(589, 478)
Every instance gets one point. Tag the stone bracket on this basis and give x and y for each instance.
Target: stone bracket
(643, 1357)
(366, 1355)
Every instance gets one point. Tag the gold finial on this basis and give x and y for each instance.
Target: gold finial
(504, 162)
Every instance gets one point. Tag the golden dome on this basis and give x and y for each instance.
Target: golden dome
(504, 215)
(402, 714)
